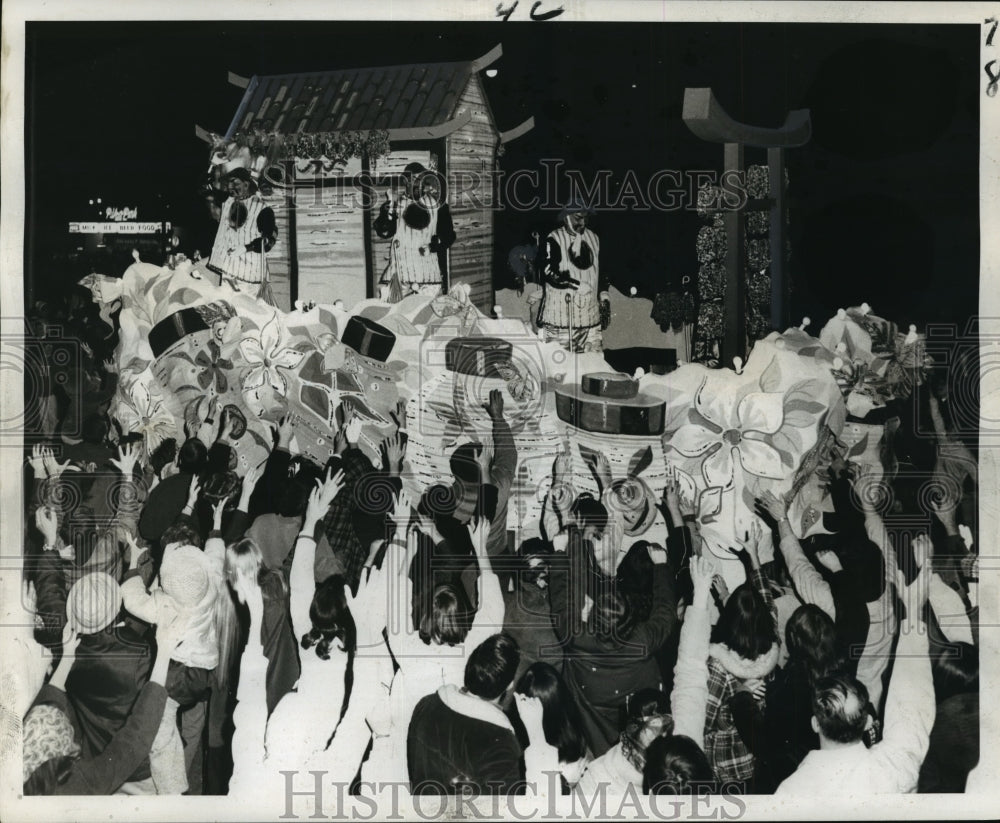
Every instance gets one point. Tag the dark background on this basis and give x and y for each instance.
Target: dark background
(884, 199)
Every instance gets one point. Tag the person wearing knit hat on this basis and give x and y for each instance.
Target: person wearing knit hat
(93, 603)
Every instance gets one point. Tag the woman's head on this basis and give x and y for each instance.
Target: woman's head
(243, 564)
(675, 765)
(746, 625)
(561, 717)
(535, 554)
(448, 619)
(331, 619)
(647, 718)
(193, 456)
(612, 616)
(635, 579)
(812, 642)
(591, 517)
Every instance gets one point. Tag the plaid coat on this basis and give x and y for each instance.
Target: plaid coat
(727, 753)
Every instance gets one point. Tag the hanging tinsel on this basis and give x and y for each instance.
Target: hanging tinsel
(711, 281)
(338, 145)
(710, 244)
(758, 222)
(758, 182)
(758, 254)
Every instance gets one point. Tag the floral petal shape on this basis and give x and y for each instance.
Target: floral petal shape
(287, 358)
(715, 404)
(252, 352)
(255, 378)
(692, 440)
(270, 335)
(761, 411)
(718, 468)
(710, 502)
(761, 459)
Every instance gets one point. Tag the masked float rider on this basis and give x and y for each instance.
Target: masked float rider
(571, 269)
(247, 231)
(418, 222)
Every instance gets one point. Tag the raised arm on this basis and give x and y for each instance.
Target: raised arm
(490, 615)
(689, 698)
(250, 715)
(910, 706)
(809, 583)
(302, 581)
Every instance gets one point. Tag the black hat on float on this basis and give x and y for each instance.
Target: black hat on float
(575, 206)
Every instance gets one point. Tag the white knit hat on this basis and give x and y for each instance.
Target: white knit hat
(184, 576)
(93, 602)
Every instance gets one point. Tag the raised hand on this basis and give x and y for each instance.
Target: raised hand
(134, 549)
(370, 601)
(37, 462)
(250, 481)
(916, 593)
(402, 511)
(128, 456)
(47, 522)
(323, 495)
(773, 506)
(285, 429)
(393, 451)
(494, 408)
(53, 468)
(753, 686)
(353, 426)
(218, 509)
(70, 642)
(532, 713)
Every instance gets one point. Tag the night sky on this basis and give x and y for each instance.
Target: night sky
(884, 199)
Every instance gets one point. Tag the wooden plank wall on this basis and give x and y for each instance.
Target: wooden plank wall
(331, 254)
(469, 162)
(279, 258)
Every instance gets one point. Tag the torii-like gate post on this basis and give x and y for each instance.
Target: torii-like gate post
(709, 121)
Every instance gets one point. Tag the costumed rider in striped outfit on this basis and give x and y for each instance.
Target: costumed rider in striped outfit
(576, 307)
(247, 231)
(418, 256)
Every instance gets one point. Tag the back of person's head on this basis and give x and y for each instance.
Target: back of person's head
(331, 619)
(294, 497)
(463, 463)
(185, 576)
(221, 487)
(840, 708)
(95, 429)
(163, 455)
(491, 667)
(647, 717)
(955, 667)
(193, 456)
(560, 718)
(635, 579)
(590, 513)
(746, 625)
(812, 642)
(449, 617)
(181, 533)
(535, 555)
(243, 558)
(675, 764)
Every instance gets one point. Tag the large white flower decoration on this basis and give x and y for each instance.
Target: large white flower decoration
(722, 428)
(267, 354)
(142, 411)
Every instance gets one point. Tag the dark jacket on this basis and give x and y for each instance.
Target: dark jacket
(603, 672)
(954, 746)
(110, 670)
(105, 771)
(458, 742)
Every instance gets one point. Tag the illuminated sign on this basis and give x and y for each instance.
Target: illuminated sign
(118, 228)
(111, 213)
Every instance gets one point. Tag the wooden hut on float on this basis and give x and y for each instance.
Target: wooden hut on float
(436, 114)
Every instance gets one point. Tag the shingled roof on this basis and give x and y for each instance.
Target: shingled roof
(411, 102)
